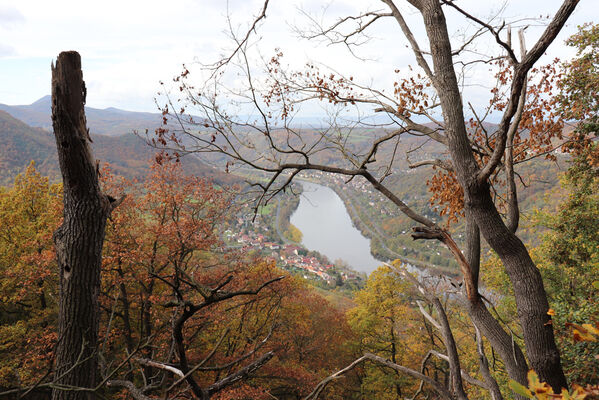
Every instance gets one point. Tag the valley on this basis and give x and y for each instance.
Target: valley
(387, 230)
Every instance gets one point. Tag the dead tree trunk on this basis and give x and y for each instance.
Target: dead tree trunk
(80, 238)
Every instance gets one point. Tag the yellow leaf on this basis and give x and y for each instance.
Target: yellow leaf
(519, 389)
(540, 389)
(591, 329)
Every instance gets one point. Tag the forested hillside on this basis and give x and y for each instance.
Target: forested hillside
(127, 154)
(110, 121)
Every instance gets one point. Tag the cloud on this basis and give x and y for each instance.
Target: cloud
(126, 53)
(6, 50)
(10, 17)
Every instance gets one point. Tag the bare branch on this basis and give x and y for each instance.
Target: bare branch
(201, 363)
(428, 316)
(550, 33)
(136, 393)
(241, 374)
(217, 65)
(436, 163)
(333, 32)
(441, 391)
(411, 39)
(413, 126)
(443, 236)
(155, 364)
(490, 381)
(491, 29)
(467, 377)
(513, 214)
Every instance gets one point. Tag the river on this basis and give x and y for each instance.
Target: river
(327, 228)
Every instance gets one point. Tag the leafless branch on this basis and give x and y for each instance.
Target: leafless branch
(465, 375)
(155, 364)
(495, 32)
(241, 374)
(219, 64)
(334, 34)
(437, 387)
(490, 381)
(436, 162)
(513, 214)
(136, 393)
(411, 39)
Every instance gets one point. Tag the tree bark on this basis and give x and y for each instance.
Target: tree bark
(530, 295)
(80, 238)
(509, 351)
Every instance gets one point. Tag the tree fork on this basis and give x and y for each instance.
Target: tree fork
(531, 299)
(80, 238)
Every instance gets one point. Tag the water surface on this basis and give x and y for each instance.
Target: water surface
(327, 228)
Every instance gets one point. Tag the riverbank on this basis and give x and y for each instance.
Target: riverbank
(378, 248)
(288, 233)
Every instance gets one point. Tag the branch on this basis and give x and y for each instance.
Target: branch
(422, 371)
(452, 358)
(494, 32)
(201, 363)
(455, 371)
(428, 316)
(155, 364)
(437, 387)
(435, 162)
(114, 203)
(370, 156)
(428, 233)
(400, 204)
(552, 30)
(513, 214)
(413, 126)
(241, 374)
(241, 43)
(465, 375)
(136, 393)
(189, 311)
(411, 39)
(335, 36)
(518, 81)
(483, 363)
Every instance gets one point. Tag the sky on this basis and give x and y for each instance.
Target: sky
(129, 46)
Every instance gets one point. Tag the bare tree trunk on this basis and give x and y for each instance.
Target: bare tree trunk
(80, 238)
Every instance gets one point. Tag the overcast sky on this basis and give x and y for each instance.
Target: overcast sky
(128, 46)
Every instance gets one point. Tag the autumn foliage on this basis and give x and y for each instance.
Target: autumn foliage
(163, 256)
(30, 211)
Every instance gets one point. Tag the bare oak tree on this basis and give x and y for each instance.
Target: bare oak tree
(475, 156)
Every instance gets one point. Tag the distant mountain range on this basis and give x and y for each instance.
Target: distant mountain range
(113, 142)
(110, 121)
(113, 121)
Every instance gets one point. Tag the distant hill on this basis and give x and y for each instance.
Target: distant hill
(21, 144)
(127, 154)
(110, 121)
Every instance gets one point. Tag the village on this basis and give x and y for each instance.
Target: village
(261, 236)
